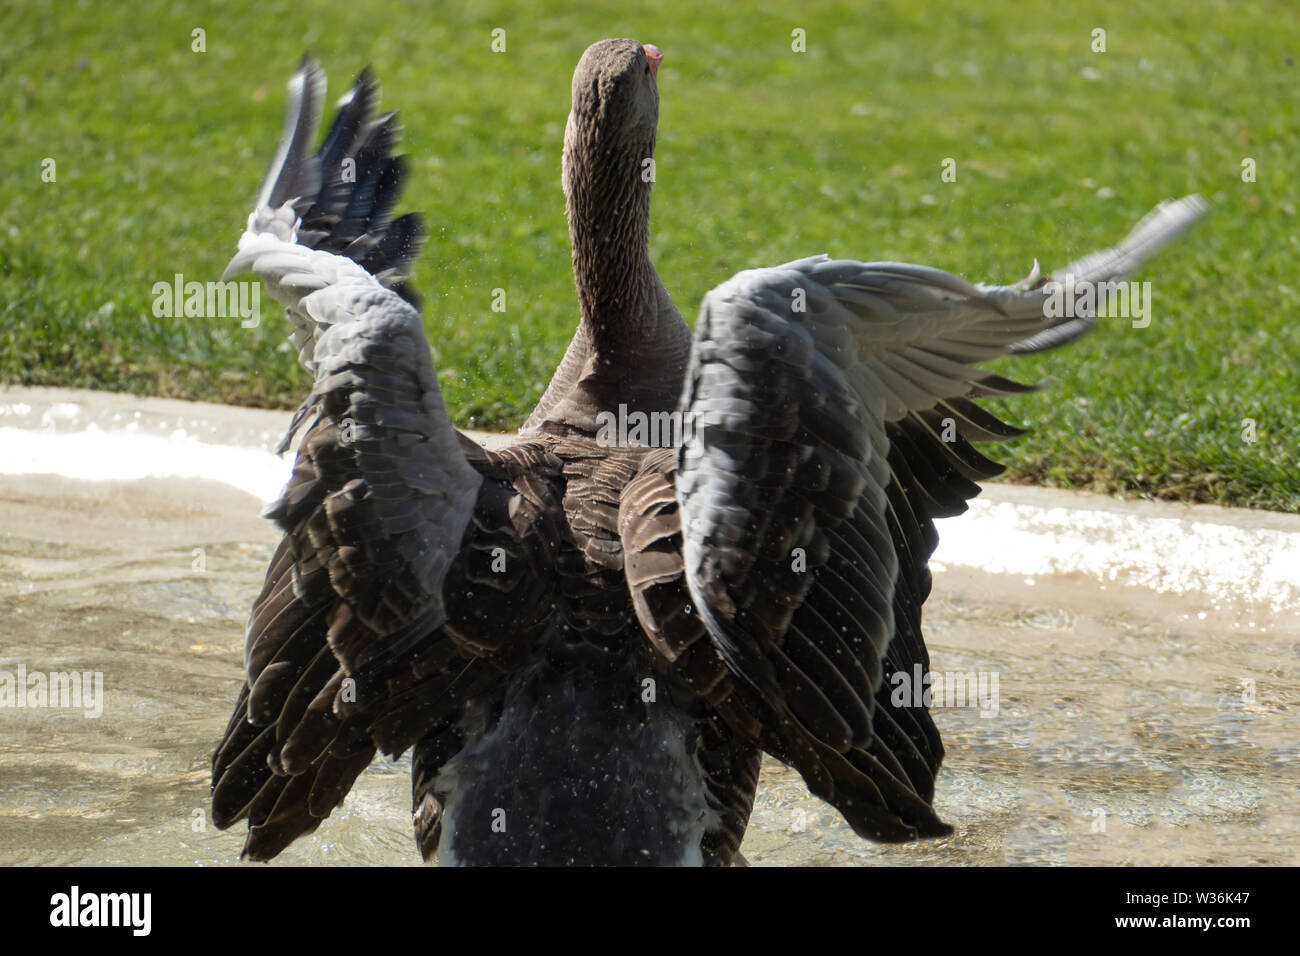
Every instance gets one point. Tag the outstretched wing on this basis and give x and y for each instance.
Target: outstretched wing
(830, 414)
(347, 636)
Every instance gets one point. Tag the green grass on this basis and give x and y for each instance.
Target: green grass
(764, 155)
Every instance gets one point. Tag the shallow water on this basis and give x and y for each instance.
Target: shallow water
(1134, 724)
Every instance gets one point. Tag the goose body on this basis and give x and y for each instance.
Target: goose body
(587, 646)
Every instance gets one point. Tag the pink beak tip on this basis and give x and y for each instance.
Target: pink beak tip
(654, 55)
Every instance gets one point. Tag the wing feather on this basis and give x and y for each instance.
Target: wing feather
(833, 418)
(352, 621)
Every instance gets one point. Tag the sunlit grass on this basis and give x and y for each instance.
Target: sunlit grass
(764, 155)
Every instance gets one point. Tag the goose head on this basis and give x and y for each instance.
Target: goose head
(615, 109)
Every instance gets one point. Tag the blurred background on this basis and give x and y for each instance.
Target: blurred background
(765, 154)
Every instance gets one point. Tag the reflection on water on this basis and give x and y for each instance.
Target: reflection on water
(1127, 731)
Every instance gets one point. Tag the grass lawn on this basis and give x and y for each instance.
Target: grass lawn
(764, 155)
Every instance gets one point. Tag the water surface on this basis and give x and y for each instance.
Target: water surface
(1135, 724)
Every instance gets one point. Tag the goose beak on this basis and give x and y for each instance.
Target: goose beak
(653, 54)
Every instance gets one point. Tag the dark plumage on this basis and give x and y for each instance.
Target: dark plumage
(587, 646)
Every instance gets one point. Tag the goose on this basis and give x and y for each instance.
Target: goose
(587, 640)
